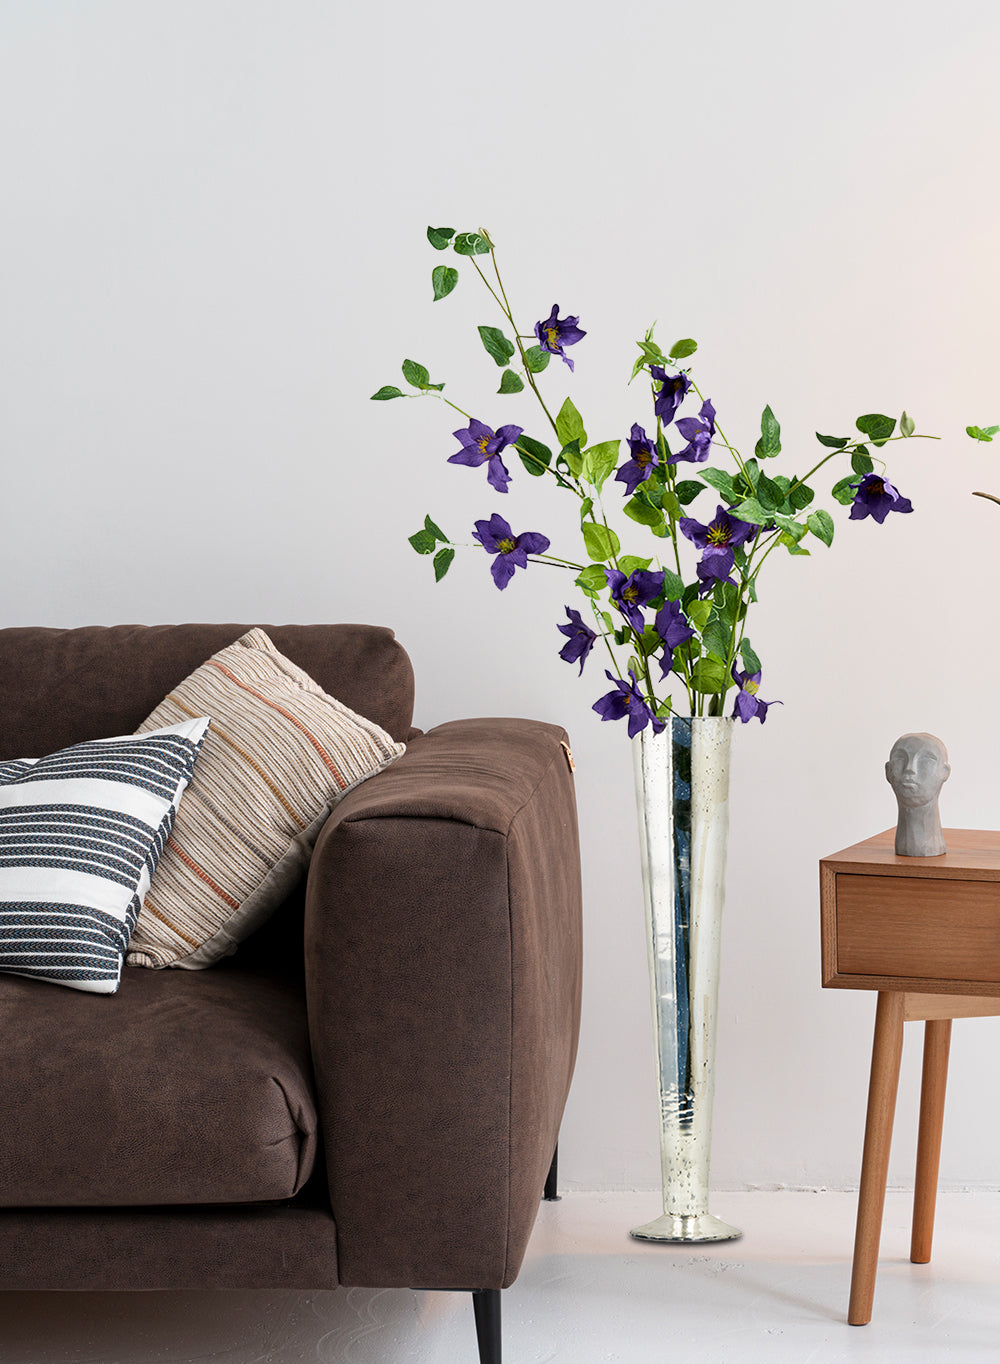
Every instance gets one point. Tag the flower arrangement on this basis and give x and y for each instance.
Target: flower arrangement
(683, 630)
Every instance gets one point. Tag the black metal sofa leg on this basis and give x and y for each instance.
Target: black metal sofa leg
(551, 1191)
(486, 1303)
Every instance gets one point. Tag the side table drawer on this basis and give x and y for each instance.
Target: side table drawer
(918, 927)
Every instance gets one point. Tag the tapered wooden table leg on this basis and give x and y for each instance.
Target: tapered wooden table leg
(887, 1049)
(937, 1041)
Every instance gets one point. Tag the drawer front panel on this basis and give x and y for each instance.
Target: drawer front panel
(909, 926)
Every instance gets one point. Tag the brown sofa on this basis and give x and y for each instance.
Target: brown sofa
(369, 1092)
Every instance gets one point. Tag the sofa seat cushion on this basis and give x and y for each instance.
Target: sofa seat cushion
(184, 1087)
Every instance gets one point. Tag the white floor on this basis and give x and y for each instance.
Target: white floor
(586, 1294)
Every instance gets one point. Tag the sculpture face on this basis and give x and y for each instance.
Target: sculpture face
(917, 769)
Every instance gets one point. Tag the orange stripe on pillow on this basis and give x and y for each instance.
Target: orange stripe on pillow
(147, 904)
(204, 876)
(288, 716)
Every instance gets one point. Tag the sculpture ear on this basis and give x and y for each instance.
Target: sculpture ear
(947, 771)
(887, 776)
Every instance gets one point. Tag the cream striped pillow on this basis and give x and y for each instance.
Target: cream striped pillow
(278, 755)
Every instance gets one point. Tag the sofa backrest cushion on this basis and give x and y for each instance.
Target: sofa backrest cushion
(61, 687)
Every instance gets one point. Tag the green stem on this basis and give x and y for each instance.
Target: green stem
(555, 561)
(731, 448)
(844, 449)
(505, 308)
(670, 475)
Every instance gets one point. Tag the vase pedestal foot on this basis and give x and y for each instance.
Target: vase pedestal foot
(690, 1230)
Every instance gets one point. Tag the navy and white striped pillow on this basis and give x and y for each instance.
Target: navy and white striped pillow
(81, 832)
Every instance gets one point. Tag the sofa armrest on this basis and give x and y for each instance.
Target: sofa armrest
(443, 950)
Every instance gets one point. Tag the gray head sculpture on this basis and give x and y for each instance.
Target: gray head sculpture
(916, 771)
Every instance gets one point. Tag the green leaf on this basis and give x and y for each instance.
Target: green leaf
(417, 375)
(386, 392)
(471, 244)
(535, 456)
(687, 490)
(906, 427)
(439, 237)
(877, 426)
(497, 344)
(769, 444)
(709, 676)
(592, 581)
(631, 563)
(769, 495)
(751, 472)
(680, 350)
(511, 382)
(800, 496)
(601, 542)
(833, 442)
(844, 490)
(718, 479)
(443, 278)
(651, 640)
(599, 462)
(670, 504)
(820, 522)
(536, 359)
(791, 544)
(751, 662)
(651, 353)
(586, 507)
(976, 432)
(751, 510)
(442, 562)
(435, 530)
(716, 637)
(795, 530)
(571, 457)
(673, 585)
(423, 542)
(698, 612)
(861, 461)
(569, 424)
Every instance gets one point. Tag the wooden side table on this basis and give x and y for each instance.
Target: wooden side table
(925, 933)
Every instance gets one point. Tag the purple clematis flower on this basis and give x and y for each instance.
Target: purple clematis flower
(748, 703)
(580, 638)
(717, 540)
(642, 463)
(482, 445)
(674, 629)
(633, 592)
(512, 551)
(875, 496)
(626, 699)
(671, 395)
(556, 332)
(698, 432)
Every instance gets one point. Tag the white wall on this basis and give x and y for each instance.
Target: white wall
(212, 251)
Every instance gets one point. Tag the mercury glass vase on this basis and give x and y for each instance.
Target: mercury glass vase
(682, 794)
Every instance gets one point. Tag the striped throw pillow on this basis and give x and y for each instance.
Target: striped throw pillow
(278, 755)
(80, 835)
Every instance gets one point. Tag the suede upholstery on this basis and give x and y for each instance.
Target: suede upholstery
(185, 1087)
(58, 687)
(423, 991)
(462, 921)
